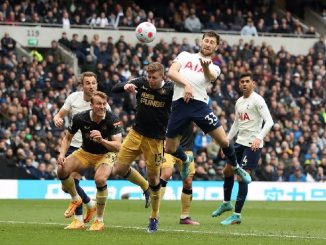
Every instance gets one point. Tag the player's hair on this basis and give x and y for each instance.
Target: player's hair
(212, 34)
(154, 67)
(99, 94)
(247, 74)
(87, 74)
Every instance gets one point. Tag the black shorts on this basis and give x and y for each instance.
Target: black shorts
(247, 158)
(197, 111)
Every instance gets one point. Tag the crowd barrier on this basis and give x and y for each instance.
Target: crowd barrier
(202, 190)
(41, 37)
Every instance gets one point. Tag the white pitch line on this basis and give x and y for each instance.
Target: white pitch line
(172, 230)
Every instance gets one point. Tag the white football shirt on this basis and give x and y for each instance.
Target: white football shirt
(192, 71)
(250, 113)
(74, 104)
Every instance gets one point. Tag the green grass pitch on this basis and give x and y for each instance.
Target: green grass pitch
(42, 222)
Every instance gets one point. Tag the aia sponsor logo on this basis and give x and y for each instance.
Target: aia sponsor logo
(244, 116)
(195, 68)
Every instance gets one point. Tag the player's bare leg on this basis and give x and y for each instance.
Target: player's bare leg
(135, 177)
(220, 137)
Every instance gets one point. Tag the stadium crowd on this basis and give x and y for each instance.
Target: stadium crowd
(249, 17)
(293, 87)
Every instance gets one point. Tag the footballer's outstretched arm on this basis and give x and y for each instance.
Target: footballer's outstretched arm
(210, 74)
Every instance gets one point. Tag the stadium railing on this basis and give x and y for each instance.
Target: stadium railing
(41, 36)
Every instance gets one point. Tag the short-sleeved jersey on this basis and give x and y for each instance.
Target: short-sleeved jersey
(153, 108)
(192, 71)
(108, 127)
(250, 113)
(74, 104)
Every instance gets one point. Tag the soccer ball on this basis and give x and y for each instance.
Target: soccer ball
(146, 32)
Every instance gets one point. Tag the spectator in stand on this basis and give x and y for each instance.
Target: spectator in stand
(77, 20)
(91, 21)
(64, 40)
(320, 46)
(280, 173)
(76, 48)
(311, 31)
(275, 28)
(50, 18)
(168, 15)
(239, 21)
(249, 29)
(8, 44)
(228, 18)
(261, 27)
(273, 20)
(212, 24)
(85, 46)
(284, 28)
(297, 175)
(31, 170)
(55, 52)
(201, 174)
(192, 22)
(150, 17)
(102, 20)
(43, 173)
(65, 21)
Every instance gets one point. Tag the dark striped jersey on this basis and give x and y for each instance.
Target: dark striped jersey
(109, 126)
(153, 107)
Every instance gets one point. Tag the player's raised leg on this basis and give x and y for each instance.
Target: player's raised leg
(135, 177)
(228, 149)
